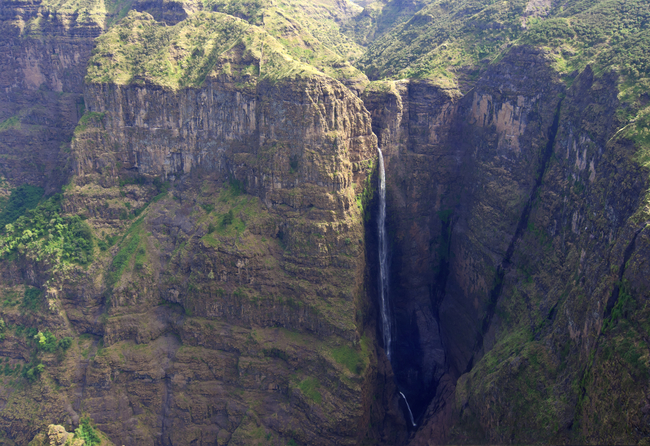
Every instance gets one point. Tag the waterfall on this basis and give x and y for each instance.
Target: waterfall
(409, 408)
(383, 270)
(383, 259)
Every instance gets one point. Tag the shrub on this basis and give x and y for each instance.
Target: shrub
(87, 433)
(45, 341)
(22, 198)
(227, 218)
(32, 298)
(65, 343)
(44, 235)
(31, 372)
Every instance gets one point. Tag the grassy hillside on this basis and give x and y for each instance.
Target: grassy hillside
(309, 31)
(455, 40)
(140, 49)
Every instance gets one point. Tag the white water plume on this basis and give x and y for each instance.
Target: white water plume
(409, 408)
(383, 260)
(383, 270)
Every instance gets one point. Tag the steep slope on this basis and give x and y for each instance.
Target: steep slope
(226, 309)
(453, 42)
(517, 208)
(45, 46)
(207, 274)
(309, 31)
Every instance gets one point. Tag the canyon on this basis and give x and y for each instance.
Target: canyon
(218, 161)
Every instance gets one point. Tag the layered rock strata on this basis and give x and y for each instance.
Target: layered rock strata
(44, 56)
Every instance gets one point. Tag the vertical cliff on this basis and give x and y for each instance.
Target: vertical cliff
(219, 301)
(208, 273)
(45, 48)
(413, 124)
(509, 253)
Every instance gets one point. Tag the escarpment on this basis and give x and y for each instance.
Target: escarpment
(207, 272)
(44, 55)
(220, 303)
(260, 245)
(508, 231)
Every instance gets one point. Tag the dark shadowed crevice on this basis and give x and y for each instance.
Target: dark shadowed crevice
(444, 267)
(613, 298)
(611, 302)
(497, 287)
(418, 383)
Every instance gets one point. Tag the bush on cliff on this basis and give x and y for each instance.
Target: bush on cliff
(87, 433)
(43, 234)
(22, 198)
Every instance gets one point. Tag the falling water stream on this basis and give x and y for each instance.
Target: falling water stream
(383, 260)
(383, 271)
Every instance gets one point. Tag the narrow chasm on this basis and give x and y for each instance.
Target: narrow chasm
(413, 344)
(420, 262)
(419, 359)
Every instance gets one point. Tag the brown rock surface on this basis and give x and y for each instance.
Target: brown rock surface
(44, 54)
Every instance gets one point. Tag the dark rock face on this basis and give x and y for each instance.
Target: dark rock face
(460, 172)
(504, 127)
(519, 260)
(412, 121)
(222, 329)
(168, 12)
(44, 56)
(480, 189)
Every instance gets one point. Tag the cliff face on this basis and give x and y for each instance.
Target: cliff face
(226, 311)
(266, 344)
(208, 275)
(554, 320)
(44, 55)
(509, 252)
(413, 123)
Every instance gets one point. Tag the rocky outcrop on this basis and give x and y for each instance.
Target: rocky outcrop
(44, 56)
(226, 313)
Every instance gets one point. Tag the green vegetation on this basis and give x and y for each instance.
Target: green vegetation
(21, 199)
(348, 357)
(139, 49)
(87, 432)
(32, 371)
(309, 386)
(117, 10)
(89, 119)
(32, 299)
(624, 306)
(127, 252)
(10, 123)
(85, 12)
(447, 39)
(232, 209)
(250, 10)
(227, 218)
(308, 31)
(365, 198)
(443, 37)
(46, 341)
(44, 235)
